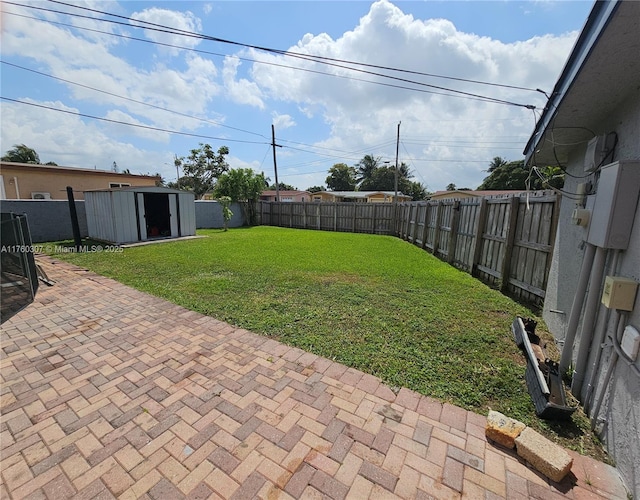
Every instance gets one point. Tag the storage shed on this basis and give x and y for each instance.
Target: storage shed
(130, 214)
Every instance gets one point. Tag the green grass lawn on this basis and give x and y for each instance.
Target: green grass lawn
(375, 303)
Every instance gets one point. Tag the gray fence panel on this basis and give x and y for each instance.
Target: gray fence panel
(49, 220)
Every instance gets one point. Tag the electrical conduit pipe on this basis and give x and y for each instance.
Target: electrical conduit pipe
(607, 376)
(600, 338)
(576, 308)
(588, 322)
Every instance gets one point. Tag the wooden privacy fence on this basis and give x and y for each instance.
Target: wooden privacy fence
(505, 242)
(374, 218)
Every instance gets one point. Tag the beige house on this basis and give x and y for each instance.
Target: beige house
(291, 196)
(25, 181)
(358, 196)
(461, 194)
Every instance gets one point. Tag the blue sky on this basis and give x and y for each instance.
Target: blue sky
(181, 91)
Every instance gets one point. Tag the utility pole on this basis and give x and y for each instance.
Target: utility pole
(275, 165)
(396, 172)
(176, 162)
(395, 182)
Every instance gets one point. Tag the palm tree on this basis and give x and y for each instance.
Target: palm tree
(404, 172)
(366, 167)
(22, 154)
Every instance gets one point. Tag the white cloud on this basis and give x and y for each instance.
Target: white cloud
(183, 21)
(445, 139)
(69, 140)
(89, 63)
(364, 116)
(282, 121)
(240, 91)
(134, 127)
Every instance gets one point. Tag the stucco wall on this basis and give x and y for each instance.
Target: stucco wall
(49, 220)
(209, 215)
(619, 417)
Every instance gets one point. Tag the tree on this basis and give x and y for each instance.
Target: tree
(366, 167)
(225, 202)
(189, 184)
(282, 187)
(160, 182)
(341, 178)
(242, 185)
(553, 177)
(316, 189)
(417, 191)
(451, 187)
(22, 154)
(384, 179)
(505, 175)
(381, 179)
(203, 166)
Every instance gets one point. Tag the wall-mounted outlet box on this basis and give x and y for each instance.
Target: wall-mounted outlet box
(630, 342)
(619, 293)
(580, 217)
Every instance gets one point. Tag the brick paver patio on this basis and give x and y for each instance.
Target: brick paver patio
(109, 392)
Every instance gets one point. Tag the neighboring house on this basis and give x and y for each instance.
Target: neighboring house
(460, 194)
(591, 128)
(290, 196)
(26, 181)
(359, 196)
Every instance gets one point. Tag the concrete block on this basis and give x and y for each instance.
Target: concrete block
(547, 457)
(502, 429)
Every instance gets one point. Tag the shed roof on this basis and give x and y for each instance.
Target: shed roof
(142, 189)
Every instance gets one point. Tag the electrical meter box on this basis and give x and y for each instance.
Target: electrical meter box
(614, 206)
(619, 293)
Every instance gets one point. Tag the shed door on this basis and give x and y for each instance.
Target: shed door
(173, 215)
(142, 223)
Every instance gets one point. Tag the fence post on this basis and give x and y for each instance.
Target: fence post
(406, 214)
(335, 215)
(353, 223)
(436, 231)
(318, 212)
(453, 235)
(373, 226)
(552, 235)
(514, 202)
(480, 225)
(304, 215)
(425, 229)
(415, 224)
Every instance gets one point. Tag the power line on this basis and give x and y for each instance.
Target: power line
(256, 61)
(311, 57)
(146, 127)
(318, 59)
(132, 100)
